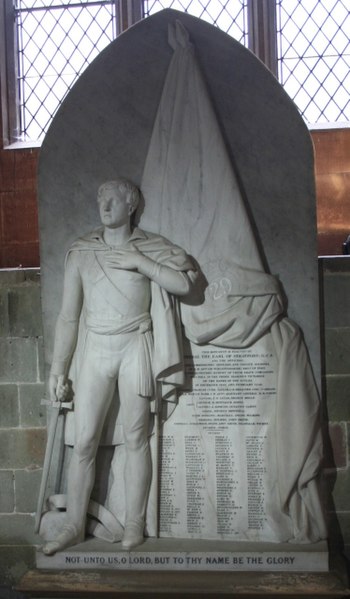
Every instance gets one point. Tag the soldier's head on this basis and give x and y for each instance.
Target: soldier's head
(117, 200)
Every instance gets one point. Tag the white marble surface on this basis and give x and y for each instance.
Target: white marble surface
(219, 469)
(272, 151)
(104, 127)
(116, 335)
(182, 554)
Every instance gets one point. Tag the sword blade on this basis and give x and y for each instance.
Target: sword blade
(46, 467)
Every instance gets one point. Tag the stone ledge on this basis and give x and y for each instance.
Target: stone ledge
(164, 554)
(18, 276)
(335, 264)
(161, 585)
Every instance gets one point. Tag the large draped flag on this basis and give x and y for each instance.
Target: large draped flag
(192, 197)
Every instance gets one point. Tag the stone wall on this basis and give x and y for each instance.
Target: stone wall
(335, 281)
(23, 420)
(22, 423)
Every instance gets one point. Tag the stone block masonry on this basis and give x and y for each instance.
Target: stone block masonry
(22, 418)
(335, 278)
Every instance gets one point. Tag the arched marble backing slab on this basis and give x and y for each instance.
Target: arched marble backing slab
(103, 128)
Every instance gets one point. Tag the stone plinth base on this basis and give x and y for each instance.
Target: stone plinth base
(162, 585)
(192, 555)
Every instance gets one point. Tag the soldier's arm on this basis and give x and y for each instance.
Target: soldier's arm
(67, 322)
(174, 281)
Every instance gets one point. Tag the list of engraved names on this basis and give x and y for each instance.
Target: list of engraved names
(215, 446)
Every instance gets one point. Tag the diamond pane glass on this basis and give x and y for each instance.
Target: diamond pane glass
(57, 39)
(228, 15)
(313, 40)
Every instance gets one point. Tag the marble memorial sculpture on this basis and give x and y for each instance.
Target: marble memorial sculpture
(122, 278)
(141, 298)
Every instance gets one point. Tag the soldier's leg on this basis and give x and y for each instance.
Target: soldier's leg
(93, 395)
(135, 412)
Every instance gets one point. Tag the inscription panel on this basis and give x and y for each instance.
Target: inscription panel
(218, 449)
(154, 556)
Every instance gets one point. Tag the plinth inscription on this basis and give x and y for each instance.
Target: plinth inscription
(156, 554)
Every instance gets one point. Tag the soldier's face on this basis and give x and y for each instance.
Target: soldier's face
(114, 211)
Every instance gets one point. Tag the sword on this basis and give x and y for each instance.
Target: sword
(57, 406)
